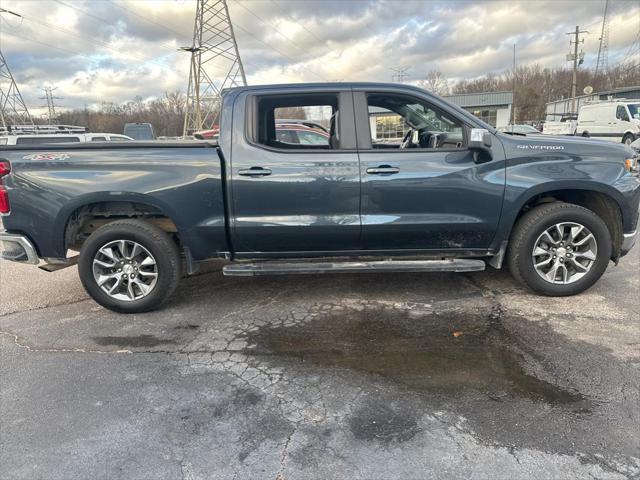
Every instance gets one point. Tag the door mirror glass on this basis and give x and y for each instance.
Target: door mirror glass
(480, 144)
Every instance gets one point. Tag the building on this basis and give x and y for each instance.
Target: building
(492, 107)
(562, 108)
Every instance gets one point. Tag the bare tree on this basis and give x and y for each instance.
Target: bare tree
(435, 82)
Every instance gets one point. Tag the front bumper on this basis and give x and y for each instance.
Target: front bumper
(17, 248)
(628, 241)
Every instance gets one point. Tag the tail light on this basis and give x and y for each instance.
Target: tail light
(5, 169)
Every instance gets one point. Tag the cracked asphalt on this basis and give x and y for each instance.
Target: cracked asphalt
(364, 376)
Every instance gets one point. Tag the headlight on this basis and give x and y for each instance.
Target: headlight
(632, 164)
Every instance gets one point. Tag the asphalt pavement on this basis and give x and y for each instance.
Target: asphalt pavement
(362, 376)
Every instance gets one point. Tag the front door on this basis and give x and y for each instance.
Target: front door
(295, 176)
(421, 189)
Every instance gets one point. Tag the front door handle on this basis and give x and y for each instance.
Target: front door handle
(383, 170)
(254, 172)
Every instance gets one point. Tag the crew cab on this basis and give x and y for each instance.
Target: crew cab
(401, 181)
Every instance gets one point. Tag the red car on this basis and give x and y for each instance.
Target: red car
(288, 131)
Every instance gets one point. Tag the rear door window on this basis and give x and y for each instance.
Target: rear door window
(291, 122)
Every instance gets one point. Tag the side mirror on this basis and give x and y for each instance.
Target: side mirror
(480, 145)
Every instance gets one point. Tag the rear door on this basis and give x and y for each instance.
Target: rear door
(290, 198)
(421, 189)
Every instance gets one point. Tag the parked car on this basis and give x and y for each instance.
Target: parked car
(455, 195)
(520, 129)
(139, 131)
(39, 139)
(288, 131)
(618, 121)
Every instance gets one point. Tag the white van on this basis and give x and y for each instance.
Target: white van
(38, 139)
(616, 120)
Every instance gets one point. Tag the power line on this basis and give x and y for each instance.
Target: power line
(32, 40)
(296, 21)
(101, 21)
(293, 42)
(148, 20)
(633, 48)
(71, 33)
(280, 52)
(277, 30)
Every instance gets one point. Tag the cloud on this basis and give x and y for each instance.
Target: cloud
(113, 50)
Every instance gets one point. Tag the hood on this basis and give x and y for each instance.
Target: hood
(565, 144)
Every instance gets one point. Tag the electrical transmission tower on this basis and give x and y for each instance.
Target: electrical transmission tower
(13, 110)
(215, 64)
(51, 106)
(400, 74)
(602, 65)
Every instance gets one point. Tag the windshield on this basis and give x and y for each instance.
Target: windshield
(634, 110)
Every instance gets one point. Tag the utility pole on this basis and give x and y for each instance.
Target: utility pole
(513, 101)
(13, 110)
(602, 64)
(215, 64)
(51, 106)
(400, 74)
(577, 60)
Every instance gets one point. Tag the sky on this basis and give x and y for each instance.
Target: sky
(114, 50)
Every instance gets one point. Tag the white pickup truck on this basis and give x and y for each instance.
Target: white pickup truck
(559, 127)
(40, 139)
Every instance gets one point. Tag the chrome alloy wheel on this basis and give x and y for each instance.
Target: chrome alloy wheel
(564, 253)
(125, 270)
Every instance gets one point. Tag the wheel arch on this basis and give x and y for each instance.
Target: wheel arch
(600, 201)
(89, 212)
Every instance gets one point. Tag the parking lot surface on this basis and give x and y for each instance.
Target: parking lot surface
(356, 376)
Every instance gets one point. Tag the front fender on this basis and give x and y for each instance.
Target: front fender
(529, 177)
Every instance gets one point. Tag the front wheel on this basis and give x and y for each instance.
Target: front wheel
(129, 266)
(559, 249)
(628, 139)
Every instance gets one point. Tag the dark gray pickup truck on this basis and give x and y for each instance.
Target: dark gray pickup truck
(370, 177)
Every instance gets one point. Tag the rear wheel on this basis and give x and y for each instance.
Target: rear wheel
(559, 249)
(129, 266)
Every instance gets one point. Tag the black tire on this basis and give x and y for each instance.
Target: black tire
(585, 134)
(155, 240)
(628, 139)
(532, 224)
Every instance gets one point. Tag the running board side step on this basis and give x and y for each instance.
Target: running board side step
(301, 268)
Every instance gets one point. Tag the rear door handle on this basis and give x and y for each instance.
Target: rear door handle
(254, 172)
(383, 170)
